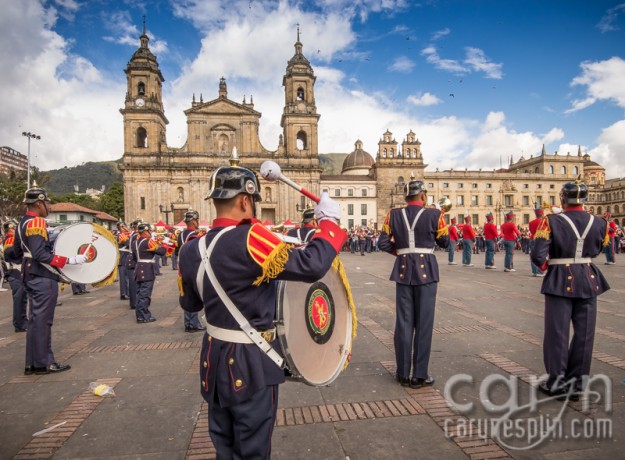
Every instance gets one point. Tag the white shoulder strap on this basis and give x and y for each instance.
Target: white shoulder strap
(580, 239)
(244, 324)
(411, 228)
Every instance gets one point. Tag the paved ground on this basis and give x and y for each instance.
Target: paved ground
(488, 324)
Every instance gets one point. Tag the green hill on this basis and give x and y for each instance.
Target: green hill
(87, 175)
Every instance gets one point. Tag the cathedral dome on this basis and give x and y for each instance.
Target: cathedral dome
(358, 162)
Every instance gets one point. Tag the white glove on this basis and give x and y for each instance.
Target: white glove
(166, 241)
(556, 210)
(77, 260)
(327, 208)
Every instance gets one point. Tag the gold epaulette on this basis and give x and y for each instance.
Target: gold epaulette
(544, 229)
(268, 251)
(37, 226)
(442, 226)
(606, 238)
(152, 245)
(386, 227)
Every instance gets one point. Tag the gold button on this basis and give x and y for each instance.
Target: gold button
(231, 361)
(331, 233)
(568, 265)
(568, 288)
(422, 255)
(424, 275)
(570, 277)
(401, 276)
(592, 276)
(403, 266)
(203, 383)
(238, 383)
(422, 266)
(210, 338)
(205, 364)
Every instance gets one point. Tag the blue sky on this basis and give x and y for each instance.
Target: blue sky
(477, 81)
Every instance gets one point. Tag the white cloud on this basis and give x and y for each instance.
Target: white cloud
(607, 23)
(402, 64)
(477, 60)
(603, 81)
(449, 65)
(423, 100)
(610, 149)
(440, 34)
(555, 134)
(125, 32)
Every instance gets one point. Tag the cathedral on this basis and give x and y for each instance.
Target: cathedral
(161, 180)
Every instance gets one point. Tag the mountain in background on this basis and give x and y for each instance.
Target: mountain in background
(95, 174)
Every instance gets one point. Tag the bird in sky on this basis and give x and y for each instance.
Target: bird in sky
(452, 94)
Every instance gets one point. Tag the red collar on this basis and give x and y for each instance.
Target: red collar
(227, 222)
(32, 214)
(190, 227)
(415, 203)
(574, 208)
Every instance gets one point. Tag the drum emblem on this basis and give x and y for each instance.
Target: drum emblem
(320, 313)
(91, 251)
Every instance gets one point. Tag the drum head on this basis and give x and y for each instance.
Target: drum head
(96, 243)
(315, 328)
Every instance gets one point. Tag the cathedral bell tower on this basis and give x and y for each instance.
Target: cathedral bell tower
(299, 118)
(144, 116)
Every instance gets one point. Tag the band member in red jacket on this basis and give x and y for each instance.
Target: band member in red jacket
(468, 240)
(533, 226)
(490, 239)
(453, 239)
(609, 250)
(510, 233)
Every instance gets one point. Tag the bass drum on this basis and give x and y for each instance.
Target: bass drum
(92, 240)
(314, 327)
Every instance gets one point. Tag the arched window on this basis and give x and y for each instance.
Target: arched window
(616, 209)
(223, 143)
(607, 209)
(616, 221)
(550, 169)
(384, 153)
(400, 180)
(536, 169)
(407, 153)
(141, 89)
(599, 211)
(302, 144)
(563, 170)
(391, 152)
(142, 138)
(300, 94)
(414, 153)
(180, 191)
(268, 194)
(575, 170)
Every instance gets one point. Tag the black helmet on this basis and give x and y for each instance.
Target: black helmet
(8, 224)
(191, 215)
(414, 187)
(574, 192)
(308, 215)
(121, 224)
(32, 195)
(135, 222)
(143, 227)
(229, 181)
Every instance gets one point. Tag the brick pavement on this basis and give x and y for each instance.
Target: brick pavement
(488, 322)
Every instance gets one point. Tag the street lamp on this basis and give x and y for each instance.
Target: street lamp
(30, 136)
(163, 209)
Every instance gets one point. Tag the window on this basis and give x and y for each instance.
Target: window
(476, 219)
(539, 201)
(430, 184)
(350, 209)
(384, 153)
(508, 200)
(474, 185)
(337, 192)
(563, 170)
(592, 180)
(539, 185)
(489, 200)
(526, 200)
(575, 170)
(300, 94)
(142, 203)
(350, 223)
(364, 192)
(301, 141)
(350, 192)
(430, 199)
(141, 89)
(460, 185)
(142, 138)
(474, 200)
(526, 219)
(460, 200)
(536, 169)
(391, 152)
(363, 209)
(552, 186)
(363, 222)
(63, 217)
(526, 185)
(445, 184)
(489, 185)
(550, 169)
(552, 200)
(325, 190)
(82, 218)
(414, 153)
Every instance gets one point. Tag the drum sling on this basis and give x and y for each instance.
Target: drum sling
(248, 333)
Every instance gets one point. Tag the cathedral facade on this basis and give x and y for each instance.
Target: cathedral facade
(161, 180)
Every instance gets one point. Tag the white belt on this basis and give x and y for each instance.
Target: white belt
(571, 260)
(415, 251)
(12, 266)
(146, 261)
(229, 335)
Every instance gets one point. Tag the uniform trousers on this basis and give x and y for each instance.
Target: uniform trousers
(132, 287)
(451, 248)
(414, 323)
(243, 431)
(42, 294)
(20, 299)
(191, 319)
(490, 253)
(122, 274)
(164, 260)
(144, 299)
(563, 361)
(609, 251)
(174, 261)
(509, 247)
(535, 269)
(467, 250)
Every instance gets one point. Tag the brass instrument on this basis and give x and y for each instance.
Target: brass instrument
(278, 228)
(444, 204)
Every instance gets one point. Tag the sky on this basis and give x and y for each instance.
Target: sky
(478, 81)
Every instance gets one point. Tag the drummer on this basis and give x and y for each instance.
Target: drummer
(145, 250)
(40, 280)
(307, 230)
(131, 263)
(239, 380)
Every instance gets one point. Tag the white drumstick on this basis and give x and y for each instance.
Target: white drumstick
(272, 172)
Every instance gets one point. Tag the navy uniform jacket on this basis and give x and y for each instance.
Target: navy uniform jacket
(123, 243)
(186, 235)
(34, 232)
(10, 257)
(554, 239)
(145, 249)
(304, 234)
(247, 260)
(414, 269)
(131, 261)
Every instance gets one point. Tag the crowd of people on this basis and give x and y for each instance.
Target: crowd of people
(228, 275)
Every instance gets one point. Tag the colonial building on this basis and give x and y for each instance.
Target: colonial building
(158, 177)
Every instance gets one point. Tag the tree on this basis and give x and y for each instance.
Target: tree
(12, 188)
(112, 201)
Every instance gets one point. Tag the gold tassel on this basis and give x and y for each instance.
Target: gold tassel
(337, 266)
(606, 238)
(542, 234)
(108, 280)
(180, 288)
(274, 264)
(442, 232)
